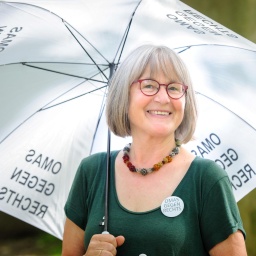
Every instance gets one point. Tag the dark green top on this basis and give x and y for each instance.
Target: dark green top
(210, 212)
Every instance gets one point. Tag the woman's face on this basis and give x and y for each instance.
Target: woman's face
(157, 115)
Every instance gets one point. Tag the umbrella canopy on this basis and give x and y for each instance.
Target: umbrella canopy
(56, 58)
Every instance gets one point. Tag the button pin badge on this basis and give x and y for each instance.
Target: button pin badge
(172, 206)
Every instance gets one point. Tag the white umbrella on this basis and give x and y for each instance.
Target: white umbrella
(55, 61)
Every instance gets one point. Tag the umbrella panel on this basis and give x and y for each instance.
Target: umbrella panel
(40, 157)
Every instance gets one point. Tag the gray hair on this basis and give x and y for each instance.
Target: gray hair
(158, 58)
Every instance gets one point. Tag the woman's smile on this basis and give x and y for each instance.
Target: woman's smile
(159, 112)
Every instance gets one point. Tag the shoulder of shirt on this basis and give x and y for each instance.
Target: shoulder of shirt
(208, 168)
(208, 174)
(96, 158)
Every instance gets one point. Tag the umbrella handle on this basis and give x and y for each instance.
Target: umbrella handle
(105, 233)
(107, 185)
(112, 68)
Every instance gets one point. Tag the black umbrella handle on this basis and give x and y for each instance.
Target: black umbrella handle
(105, 230)
(112, 67)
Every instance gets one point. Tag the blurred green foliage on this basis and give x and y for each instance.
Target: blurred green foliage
(51, 244)
(247, 208)
(238, 15)
(20, 238)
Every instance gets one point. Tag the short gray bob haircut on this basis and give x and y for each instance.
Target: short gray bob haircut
(158, 58)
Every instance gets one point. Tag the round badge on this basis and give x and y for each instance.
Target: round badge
(172, 206)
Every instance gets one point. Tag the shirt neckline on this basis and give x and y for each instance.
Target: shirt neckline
(113, 181)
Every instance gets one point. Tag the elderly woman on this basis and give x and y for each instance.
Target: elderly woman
(163, 199)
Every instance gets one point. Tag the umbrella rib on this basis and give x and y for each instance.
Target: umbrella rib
(227, 109)
(26, 4)
(84, 48)
(65, 22)
(61, 62)
(97, 125)
(34, 114)
(54, 62)
(65, 101)
(45, 108)
(16, 128)
(186, 47)
(62, 73)
(125, 36)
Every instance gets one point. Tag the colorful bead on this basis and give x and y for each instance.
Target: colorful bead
(126, 158)
(169, 158)
(156, 167)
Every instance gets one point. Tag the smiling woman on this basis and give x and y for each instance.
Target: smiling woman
(156, 185)
(44, 43)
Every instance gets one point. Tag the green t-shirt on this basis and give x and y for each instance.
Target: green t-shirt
(209, 216)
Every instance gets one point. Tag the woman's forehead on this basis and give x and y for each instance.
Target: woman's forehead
(153, 71)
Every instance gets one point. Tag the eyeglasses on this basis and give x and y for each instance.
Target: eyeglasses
(151, 87)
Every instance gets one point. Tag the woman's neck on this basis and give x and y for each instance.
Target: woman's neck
(147, 151)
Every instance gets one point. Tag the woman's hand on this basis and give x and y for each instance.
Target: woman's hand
(104, 245)
(100, 245)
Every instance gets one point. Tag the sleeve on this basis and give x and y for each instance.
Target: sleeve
(220, 215)
(75, 207)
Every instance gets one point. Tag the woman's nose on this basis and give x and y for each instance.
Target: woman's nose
(162, 95)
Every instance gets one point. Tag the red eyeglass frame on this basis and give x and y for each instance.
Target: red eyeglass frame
(166, 86)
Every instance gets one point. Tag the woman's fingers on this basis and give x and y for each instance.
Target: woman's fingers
(104, 245)
(120, 240)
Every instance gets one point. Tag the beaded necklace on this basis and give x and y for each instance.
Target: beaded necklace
(156, 167)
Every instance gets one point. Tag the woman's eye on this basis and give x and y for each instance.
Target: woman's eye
(172, 88)
(149, 86)
(175, 88)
